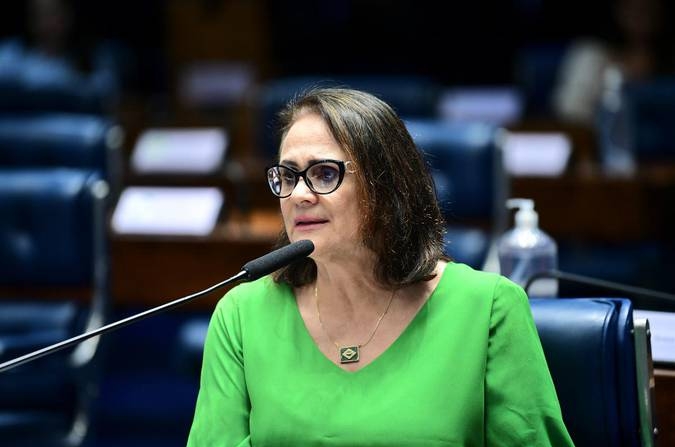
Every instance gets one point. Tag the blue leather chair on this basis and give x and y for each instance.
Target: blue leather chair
(536, 72)
(410, 96)
(466, 164)
(189, 346)
(52, 140)
(650, 106)
(53, 285)
(600, 362)
(31, 82)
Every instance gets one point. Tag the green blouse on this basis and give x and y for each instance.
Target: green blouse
(468, 370)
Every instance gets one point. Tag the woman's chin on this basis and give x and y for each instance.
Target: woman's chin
(295, 237)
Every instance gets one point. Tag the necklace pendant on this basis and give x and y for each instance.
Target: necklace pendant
(349, 354)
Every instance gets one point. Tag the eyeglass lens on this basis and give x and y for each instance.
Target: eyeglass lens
(322, 178)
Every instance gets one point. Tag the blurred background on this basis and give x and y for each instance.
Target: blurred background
(152, 121)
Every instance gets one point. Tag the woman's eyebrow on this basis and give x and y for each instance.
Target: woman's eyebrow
(294, 165)
(289, 163)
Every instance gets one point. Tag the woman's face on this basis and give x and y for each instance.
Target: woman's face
(331, 221)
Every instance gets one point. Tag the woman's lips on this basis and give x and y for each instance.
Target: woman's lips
(309, 223)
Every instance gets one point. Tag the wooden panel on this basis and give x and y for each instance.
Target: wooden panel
(233, 30)
(601, 208)
(149, 271)
(664, 396)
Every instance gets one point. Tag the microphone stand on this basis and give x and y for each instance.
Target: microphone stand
(601, 283)
(117, 324)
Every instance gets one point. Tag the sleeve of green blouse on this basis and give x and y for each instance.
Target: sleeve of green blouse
(222, 410)
(521, 406)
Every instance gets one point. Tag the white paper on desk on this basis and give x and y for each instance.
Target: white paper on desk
(662, 328)
(542, 154)
(496, 105)
(167, 210)
(179, 151)
(215, 83)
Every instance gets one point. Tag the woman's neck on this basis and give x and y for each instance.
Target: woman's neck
(349, 285)
(351, 288)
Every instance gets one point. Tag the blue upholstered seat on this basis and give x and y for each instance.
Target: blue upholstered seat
(590, 348)
(33, 81)
(44, 227)
(536, 72)
(651, 106)
(51, 245)
(189, 346)
(53, 140)
(466, 166)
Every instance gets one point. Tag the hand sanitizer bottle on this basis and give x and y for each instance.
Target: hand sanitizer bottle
(526, 250)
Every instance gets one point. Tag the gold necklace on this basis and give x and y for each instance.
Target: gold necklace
(350, 353)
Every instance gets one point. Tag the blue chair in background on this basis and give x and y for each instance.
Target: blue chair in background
(53, 286)
(30, 81)
(53, 140)
(19, 96)
(536, 73)
(650, 107)
(190, 346)
(600, 361)
(466, 165)
(410, 96)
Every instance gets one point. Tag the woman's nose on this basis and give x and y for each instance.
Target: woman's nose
(302, 191)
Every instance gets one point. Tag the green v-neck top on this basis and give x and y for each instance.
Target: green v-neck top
(468, 370)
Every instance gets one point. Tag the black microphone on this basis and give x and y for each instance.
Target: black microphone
(251, 271)
(276, 259)
(600, 283)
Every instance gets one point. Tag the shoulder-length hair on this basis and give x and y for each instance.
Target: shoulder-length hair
(402, 222)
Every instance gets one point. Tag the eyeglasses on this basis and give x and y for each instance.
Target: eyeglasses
(321, 177)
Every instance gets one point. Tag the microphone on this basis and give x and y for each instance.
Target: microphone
(600, 283)
(251, 271)
(276, 259)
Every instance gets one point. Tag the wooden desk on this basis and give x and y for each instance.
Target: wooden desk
(149, 271)
(592, 206)
(664, 397)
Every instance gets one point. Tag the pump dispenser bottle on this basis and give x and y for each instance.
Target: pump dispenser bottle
(526, 250)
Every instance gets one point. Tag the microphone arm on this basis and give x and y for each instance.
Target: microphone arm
(112, 326)
(601, 283)
(252, 270)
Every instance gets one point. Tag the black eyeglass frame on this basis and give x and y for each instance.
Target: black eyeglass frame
(342, 169)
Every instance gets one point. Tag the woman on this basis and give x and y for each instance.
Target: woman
(376, 339)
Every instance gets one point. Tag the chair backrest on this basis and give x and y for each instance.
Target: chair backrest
(189, 346)
(650, 107)
(48, 140)
(31, 82)
(591, 352)
(466, 163)
(409, 96)
(46, 227)
(52, 241)
(536, 72)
